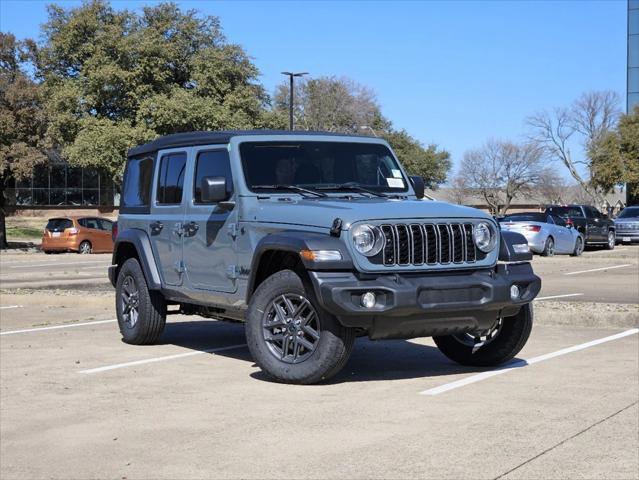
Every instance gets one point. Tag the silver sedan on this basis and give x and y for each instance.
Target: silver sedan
(546, 234)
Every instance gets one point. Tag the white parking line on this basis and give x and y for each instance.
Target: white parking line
(6, 307)
(77, 264)
(599, 269)
(522, 363)
(559, 296)
(40, 329)
(160, 359)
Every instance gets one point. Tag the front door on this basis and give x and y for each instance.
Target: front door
(210, 229)
(167, 215)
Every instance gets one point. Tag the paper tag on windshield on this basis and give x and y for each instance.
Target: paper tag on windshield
(395, 182)
(396, 173)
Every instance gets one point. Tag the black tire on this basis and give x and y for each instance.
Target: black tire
(331, 351)
(579, 247)
(47, 252)
(85, 247)
(549, 248)
(507, 343)
(151, 307)
(612, 240)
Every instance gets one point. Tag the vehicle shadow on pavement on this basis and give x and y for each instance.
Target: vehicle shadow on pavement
(370, 360)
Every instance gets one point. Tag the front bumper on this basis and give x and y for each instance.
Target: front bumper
(625, 236)
(421, 305)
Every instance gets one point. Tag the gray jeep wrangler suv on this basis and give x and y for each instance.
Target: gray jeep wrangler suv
(312, 239)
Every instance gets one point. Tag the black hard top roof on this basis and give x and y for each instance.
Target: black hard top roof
(188, 139)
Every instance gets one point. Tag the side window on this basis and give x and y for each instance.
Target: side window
(171, 178)
(559, 221)
(105, 225)
(214, 163)
(549, 219)
(82, 222)
(137, 182)
(92, 223)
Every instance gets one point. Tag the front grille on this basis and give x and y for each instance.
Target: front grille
(627, 227)
(428, 244)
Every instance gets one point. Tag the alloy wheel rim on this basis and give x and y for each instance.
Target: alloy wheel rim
(130, 301)
(291, 328)
(611, 239)
(476, 340)
(85, 248)
(551, 248)
(580, 245)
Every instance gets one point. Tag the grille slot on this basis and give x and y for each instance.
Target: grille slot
(432, 244)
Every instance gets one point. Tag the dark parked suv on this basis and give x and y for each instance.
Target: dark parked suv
(312, 240)
(596, 228)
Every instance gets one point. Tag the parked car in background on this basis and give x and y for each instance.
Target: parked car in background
(78, 234)
(546, 234)
(627, 225)
(596, 228)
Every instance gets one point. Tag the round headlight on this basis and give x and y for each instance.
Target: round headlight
(368, 239)
(485, 236)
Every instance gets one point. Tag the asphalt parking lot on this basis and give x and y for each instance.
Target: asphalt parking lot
(76, 402)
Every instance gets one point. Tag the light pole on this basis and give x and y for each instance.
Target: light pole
(291, 75)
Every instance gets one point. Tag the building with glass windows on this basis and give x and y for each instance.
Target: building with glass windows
(57, 185)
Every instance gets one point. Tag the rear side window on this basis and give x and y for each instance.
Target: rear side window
(214, 163)
(566, 212)
(59, 224)
(171, 178)
(89, 223)
(559, 221)
(137, 183)
(105, 225)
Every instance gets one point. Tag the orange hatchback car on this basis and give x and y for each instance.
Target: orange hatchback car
(78, 234)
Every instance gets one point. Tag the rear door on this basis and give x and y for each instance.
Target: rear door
(167, 214)
(596, 224)
(106, 228)
(210, 229)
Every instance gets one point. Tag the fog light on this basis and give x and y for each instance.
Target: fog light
(514, 292)
(368, 300)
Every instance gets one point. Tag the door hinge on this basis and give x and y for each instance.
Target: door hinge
(179, 267)
(232, 271)
(232, 230)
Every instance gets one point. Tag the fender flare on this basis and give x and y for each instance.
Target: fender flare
(296, 241)
(139, 239)
(506, 251)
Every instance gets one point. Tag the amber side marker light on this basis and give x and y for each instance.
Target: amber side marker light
(321, 255)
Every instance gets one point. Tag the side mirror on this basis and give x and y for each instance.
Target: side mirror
(213, 189)
(418, 185)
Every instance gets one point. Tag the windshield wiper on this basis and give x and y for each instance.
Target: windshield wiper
(295, 188)
(351, 186)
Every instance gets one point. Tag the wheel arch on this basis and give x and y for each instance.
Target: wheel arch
(281, 251)
(135, 243)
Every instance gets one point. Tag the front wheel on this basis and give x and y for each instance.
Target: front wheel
(491, 347)
(612, 240)
(290, 336)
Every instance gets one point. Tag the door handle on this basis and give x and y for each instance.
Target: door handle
(191, 229)
(156, 227)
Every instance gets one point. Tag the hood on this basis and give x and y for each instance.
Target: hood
(627, 220)
(322, 211)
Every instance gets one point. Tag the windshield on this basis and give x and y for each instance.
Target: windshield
(323, 165)
(526, 217)
(629, 212)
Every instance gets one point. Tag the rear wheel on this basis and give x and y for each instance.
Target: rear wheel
(85, 247)
(494, 346)
(141, 312)
(612, 240)
(292, 339)
(549, 248)
(579, 247)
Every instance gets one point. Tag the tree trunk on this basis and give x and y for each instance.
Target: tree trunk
(3, 230)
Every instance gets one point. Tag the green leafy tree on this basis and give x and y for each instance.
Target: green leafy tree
(615, 156)
(22, 122)
(116, 78)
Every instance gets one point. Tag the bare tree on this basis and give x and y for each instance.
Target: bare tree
(459, 189)
(502, 171)
(550, 188)
(589, 117)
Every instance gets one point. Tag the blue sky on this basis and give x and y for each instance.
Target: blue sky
(453, 73)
